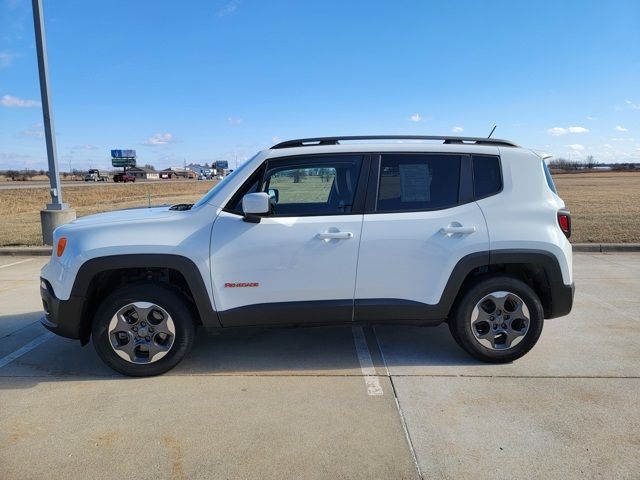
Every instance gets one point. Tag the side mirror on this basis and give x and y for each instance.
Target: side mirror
(254, 205)
(274, 193)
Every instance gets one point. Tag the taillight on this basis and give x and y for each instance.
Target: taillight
(564, 222)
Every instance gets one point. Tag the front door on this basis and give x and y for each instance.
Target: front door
(298, 264)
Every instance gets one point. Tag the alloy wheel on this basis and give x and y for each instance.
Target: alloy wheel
(141, 332)
(500, 320)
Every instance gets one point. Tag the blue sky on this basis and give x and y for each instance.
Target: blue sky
(199, 80)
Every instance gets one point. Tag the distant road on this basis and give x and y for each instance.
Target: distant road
(45, 184)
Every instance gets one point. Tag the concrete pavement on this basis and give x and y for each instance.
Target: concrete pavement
(294, 403)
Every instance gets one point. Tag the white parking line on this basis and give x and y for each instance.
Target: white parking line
(366, 364)
(16, 263)
(26, 349)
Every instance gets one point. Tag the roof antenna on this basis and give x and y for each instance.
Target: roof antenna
(492, 130)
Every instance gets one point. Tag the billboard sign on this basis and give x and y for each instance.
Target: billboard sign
(123, 162)
(123, 154)
(222, 165)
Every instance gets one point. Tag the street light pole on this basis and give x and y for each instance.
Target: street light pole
(56, 212)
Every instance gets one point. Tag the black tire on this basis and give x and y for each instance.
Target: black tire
(161, 295)
(460, 320)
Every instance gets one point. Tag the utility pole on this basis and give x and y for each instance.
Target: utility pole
(57, 212)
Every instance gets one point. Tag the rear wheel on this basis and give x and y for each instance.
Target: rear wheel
(143, 329)
(497, 320)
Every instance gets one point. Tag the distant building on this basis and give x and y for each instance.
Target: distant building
(177, 172)
(200, 170)
(143, 173)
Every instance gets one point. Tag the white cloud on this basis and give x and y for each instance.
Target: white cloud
(576, 147)
(275, 139)
(34, 131)
(10, 156)
(229, 8)
(415, 117)
(631, 105)
(160, 139)
(234, 120)
(620, 128)
(86, 146)
(457, 129)
(557, 131)
(11, 101)
(578, 130)
(6, 58)
(588, 117)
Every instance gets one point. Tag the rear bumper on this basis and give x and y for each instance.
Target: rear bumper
(561, 300)
(62, 317)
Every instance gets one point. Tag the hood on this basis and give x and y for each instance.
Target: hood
(129, 215)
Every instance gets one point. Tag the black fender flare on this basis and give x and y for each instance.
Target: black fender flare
(92, 267)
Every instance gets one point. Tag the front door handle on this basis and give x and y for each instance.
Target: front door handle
(335, 235)
(451, 230)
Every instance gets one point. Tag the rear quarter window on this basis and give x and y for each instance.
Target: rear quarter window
(487, 176)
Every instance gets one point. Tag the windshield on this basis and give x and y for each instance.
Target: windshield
(209, 195)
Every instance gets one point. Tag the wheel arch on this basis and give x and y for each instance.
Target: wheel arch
(540, 269)
(99, 276)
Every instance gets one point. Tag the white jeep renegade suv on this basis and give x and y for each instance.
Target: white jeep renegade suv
(325, 231)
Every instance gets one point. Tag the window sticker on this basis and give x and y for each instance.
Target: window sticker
(415, 182)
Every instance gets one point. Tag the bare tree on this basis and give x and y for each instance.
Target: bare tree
(298, 175)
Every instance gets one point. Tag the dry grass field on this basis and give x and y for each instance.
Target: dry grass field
(605, 205)
(20, 208)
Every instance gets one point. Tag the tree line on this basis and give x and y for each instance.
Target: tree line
(589, 163)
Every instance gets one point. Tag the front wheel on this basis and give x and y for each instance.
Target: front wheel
(143, 329)
(497, 320)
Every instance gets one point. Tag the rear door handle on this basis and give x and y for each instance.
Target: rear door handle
(450, 230)
(335, 235)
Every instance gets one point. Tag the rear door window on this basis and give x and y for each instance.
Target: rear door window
(411, 182)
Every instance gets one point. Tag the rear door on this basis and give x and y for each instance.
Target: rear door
(297, 265)
(420, 221)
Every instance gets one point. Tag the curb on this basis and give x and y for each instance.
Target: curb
(606, 247)
(25, 251)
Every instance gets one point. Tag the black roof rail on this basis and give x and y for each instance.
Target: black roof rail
(313, 142)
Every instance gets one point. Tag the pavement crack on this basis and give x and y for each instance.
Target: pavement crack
(403, 421)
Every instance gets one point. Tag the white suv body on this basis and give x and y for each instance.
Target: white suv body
(351, 232)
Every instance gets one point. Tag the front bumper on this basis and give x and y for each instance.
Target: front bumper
(62, 317)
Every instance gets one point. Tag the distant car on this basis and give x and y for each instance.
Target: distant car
(94, 175)
(124, 178)
(202, 176)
